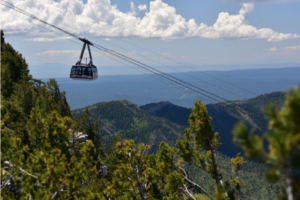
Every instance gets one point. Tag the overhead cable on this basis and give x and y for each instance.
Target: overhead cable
(143, 66)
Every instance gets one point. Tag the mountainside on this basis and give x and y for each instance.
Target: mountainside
(122, 116)
(224, 117)
(141, 125)
(156, 122)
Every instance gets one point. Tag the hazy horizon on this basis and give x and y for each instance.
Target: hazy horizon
(142, 89)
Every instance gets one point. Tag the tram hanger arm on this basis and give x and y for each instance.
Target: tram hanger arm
(86, 41)
(81, 54)
(91, 60)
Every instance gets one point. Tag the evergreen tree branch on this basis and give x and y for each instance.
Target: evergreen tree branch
(143, 196)
(214, 162)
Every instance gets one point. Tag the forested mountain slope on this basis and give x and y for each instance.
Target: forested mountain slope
(224, 117)
(122, 116)
(156, 122)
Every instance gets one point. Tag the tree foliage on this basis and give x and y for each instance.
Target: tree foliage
(36, 161)
(283, 138)
(47, 171)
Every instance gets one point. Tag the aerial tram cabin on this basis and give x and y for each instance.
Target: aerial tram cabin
(86, 72)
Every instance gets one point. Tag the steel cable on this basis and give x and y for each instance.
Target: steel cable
(137, 63)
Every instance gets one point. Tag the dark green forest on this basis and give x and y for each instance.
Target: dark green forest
(116, 150)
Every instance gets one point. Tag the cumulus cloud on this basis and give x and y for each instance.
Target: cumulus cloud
(101, 18)
(272, 49)
(292, 48)
(142, 7)
(247, 7)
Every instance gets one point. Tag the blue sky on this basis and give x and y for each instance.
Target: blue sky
(213, 35)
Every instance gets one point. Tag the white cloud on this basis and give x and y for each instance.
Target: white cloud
(132, 8)
(247, 7)
(272, 49)
(58, 52)
(142, 7)
(292, 48)
(101, 18)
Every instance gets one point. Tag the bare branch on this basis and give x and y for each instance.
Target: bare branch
(27, 152)
(288, 180)
(6, 182)
(194, 184)
(204, 169)
(58, 189)
(22, 170)
(188, 193)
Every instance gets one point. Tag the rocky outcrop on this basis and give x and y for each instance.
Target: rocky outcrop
(80, 137)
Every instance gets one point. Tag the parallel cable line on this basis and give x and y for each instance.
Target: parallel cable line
(244, 98)
(187, 66)
(141, 65)
(160, 72)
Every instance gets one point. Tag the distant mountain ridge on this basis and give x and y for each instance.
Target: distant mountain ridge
(224, 117)
(164, 121)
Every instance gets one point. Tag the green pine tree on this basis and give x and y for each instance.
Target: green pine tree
(47, 171)
(283, 138)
